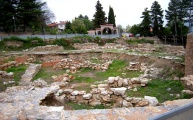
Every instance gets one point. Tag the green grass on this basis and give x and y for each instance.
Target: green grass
(75, 106)
(140, 41)
(47, 73)
(18, 71)
(158, 89)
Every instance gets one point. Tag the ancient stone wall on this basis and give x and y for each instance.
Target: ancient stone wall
(189, 56)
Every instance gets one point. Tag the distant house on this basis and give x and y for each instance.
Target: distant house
(60, 26)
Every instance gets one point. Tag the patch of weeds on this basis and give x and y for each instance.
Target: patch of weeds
(137, 41)
(80, 79)
(159, 89)
(46, 74)
(18, 72)
(116, 69)
(75, 106)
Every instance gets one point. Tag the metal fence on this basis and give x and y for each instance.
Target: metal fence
(45, 37)
(182, 113)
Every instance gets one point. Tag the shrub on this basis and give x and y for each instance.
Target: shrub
(67, 44)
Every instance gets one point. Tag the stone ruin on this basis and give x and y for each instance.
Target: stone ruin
(48, 48)
(74, 65)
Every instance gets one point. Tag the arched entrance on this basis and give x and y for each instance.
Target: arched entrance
(107, 31)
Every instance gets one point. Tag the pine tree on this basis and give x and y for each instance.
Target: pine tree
(7, 14)
(111, 16)
(99, 16)
(156, 18)
(146, 22)
(176, 15)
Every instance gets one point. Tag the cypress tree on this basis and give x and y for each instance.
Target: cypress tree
(99, 16)
(156, 17)
(111, 16)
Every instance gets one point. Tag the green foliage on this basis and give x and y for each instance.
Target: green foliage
(99, 16)
(135, 29)
(27, 43)
(27, 15)
(158, 88)
(75, 106)
(111, 16)
(78, 26)
(156, 17)
(67, 44)
(137, 41)
(53, 31)
(177, 11)
(18, 71)
(145, 24)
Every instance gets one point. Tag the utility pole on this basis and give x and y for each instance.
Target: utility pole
(14, 23)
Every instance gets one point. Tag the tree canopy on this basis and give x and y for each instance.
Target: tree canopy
(146, 22)
(99, 16)
(156, 18)
(26, 14)
(111, 16)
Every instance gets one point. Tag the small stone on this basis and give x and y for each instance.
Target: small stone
(135, 90)
(152, 100)
(127, 104)
(75, 93)
(87, 96)
(169, 89)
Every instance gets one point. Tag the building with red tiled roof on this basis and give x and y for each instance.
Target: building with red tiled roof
(60, 26)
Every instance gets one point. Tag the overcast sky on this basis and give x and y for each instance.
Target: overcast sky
(128, 12)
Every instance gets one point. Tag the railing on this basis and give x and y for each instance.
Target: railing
(182, 113)
(45, 37)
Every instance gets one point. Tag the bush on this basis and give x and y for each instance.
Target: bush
(67, 44)
(140, 41)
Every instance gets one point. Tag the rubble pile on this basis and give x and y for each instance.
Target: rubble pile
(48, 48)
(6, 75)
(9, 64)
(73, 65)
(103, 94)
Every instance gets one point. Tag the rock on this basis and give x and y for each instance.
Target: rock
(82, 92)
(152, 100)
(111, 80)
(75, 93)
(106, 98)
(68, 91)
(125, 82)
(120, 82)
(187, 92)
(87, 96)
(104, 92)
(135, 101)
(94, 103)
(95, 91)
(135, 81)
(169, 89)
(135, 90)
(119, 91)
(128, 99)
(39, 83)
(127, 104)
(103, 85)
(67, 71)
(143, 103)
(93, 86)
(60, 92)
(144, 81)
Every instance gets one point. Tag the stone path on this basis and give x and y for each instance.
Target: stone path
(31, 71)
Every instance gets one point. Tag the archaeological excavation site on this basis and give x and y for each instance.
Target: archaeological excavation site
(85, 78)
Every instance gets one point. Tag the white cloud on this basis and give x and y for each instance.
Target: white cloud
(126, 11)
